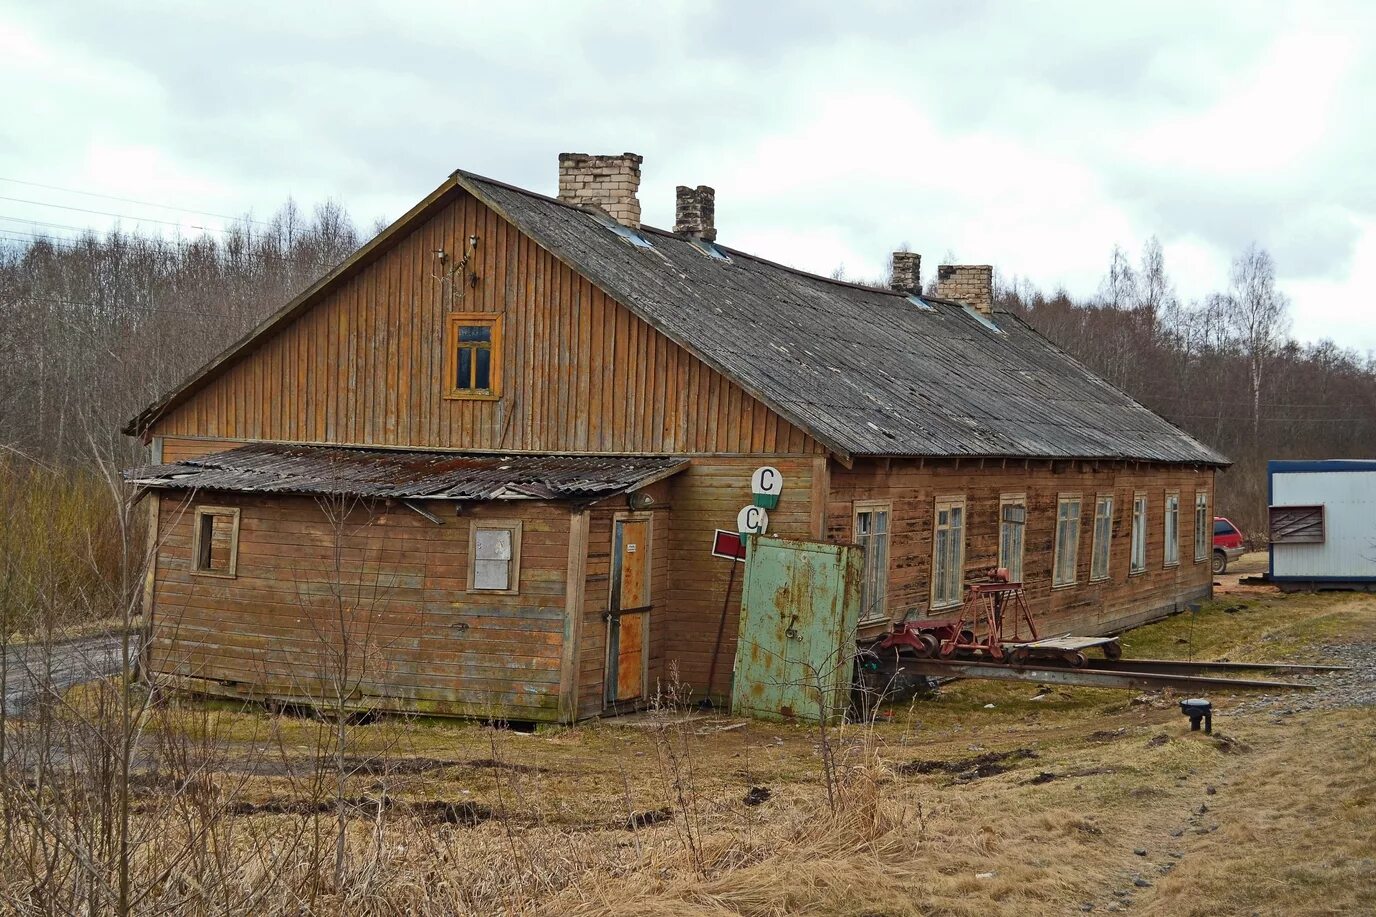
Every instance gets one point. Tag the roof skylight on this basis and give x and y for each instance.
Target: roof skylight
(709, 249)
(630, 235)
(983, 319)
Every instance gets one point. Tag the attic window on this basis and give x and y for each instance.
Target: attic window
(983, 319)
(921, 304)
(473, 356)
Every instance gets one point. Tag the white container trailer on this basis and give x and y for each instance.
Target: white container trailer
(1323, 523)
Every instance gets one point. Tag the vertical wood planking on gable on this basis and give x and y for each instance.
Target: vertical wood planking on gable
(581, 373)
(596, 365)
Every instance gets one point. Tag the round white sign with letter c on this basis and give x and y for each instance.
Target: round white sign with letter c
(752, 520)
(767, 480)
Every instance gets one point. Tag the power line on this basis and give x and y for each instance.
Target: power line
(33, 222)
(130, 200)
(106, 213)
(78, 302)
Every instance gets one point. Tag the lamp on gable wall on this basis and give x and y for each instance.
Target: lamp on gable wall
(446, 274)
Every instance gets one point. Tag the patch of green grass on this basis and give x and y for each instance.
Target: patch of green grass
(1253, 628)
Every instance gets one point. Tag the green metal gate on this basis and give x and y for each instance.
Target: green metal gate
(799, 608)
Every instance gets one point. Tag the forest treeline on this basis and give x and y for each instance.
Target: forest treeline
(92, 329)
(1224, 367)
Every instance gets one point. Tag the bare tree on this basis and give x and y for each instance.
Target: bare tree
(1258, 316)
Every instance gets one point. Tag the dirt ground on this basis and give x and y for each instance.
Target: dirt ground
(1254, 563)
(986, 798)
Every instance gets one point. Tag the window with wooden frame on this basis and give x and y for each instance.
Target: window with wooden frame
(1137, 562)
(872, 534)
(1067, 556)
(948, 552)
(473, 356)
(215, 541)
(1103, 538)
(1012, 526)
(494, 556)
(1171, 553)
(1201, 526)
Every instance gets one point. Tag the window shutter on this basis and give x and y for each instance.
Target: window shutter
(1297, 525)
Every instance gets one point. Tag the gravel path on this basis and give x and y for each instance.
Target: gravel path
(1355, 688)
(34, 669)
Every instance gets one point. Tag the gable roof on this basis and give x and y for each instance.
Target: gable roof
(864, 370)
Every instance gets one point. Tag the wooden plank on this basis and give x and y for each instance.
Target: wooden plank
(573, 616)
(630, 657)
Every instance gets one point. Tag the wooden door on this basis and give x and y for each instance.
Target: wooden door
(628, 616)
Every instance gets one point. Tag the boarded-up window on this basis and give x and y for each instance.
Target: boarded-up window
(948, 552)
(473, 355)
(1103, 537)
(1138, 560)
(1172, 533)
(1067, 540)
(1012, 525)
(1297, 525)
(494, 550)
(872, 534)
(1201, 525)
(215, 541)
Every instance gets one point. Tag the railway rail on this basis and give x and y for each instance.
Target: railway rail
(1137, 674)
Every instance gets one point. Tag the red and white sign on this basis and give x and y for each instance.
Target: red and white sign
(728, 544)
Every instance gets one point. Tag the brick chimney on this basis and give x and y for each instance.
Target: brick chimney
(972, 284)
(905, 274)
(695, 212)
(608, 183)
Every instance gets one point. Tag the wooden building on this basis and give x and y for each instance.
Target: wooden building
(477, 469)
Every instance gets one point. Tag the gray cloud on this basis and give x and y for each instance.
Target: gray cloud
(1035, 136)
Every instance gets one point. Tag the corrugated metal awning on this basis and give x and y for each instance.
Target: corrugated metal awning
(403, 474)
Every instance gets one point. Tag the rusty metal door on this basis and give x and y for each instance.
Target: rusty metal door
(627, 617)
(799, 609)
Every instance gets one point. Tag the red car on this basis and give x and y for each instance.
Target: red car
(1228, 543)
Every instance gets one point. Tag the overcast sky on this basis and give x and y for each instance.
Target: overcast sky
(1030, 136)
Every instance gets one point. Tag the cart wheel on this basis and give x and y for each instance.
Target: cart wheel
(967, 637)
(929, 646)
(1076, 660)
(1113, 650)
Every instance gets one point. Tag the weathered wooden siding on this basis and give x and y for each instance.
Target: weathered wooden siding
(704, 498)
(427, 644)
(181, 448)
(1119, 601)
(581, 373)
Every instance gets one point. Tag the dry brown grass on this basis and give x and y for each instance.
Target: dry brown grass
(1289, 828)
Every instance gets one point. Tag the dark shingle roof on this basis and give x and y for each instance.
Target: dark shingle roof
(407, 474)
(865, 370)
